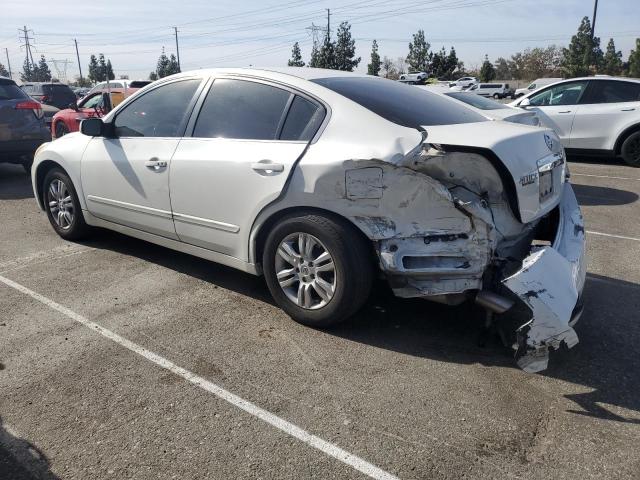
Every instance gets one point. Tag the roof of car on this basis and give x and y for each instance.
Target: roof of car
(300, 72)
(602, 77)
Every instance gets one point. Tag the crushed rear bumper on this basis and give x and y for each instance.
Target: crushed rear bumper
(550, 283)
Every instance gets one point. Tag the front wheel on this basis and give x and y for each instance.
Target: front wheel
(62, 206)
(318, 269)
(630, 150)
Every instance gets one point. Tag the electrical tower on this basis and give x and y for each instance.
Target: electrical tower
(60, 66)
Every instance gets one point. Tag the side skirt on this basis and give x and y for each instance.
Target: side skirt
(174, 244)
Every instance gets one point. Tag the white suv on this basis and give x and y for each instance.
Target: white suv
(592, 115)
(464, 82)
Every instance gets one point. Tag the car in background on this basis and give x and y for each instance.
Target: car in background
(272, 172)
(56, 94)
(494, 90)
(591, 115)
(535, 85)
(80, 92)
(22, 125)
(96, 104)
(49, 111)
(414, 78)
(118, 84)
(464, 82)
(487, 107)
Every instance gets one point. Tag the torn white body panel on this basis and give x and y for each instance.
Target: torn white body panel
(550, 283)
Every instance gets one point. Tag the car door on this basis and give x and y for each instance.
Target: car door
(607, 107)
(556, 107)
(245, 141)
(125, 177)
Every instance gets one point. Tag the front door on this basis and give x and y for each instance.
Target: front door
(125, 178)
(556, 107)
(247, 138)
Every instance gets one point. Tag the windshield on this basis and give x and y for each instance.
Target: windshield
(476, 101)
(405, 105)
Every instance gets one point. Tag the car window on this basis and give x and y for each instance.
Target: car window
(402, 104)
(241, 109)
(158, 113)
(10, 91)
(93, 101)
(563, 94)
(303, 120)
(611, 91)
(477, 101)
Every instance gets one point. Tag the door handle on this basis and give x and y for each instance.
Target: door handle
(155, 164)
(628, 109)
(565, 111)
(267, 167)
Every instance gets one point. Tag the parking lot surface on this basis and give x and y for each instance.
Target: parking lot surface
(404, 389)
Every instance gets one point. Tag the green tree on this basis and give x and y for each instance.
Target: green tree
(487, 71)
(153, 76)
(3, 71)
(503, 72)
(173, 67)
(453, 64)
(612, 62)
(42, 74)
(345, 49)
(162, 67)
(327, 54)
(419, 57)
(583, 56)
(296, 56)
(29, 71)
(102, 67)
(314, 61)
(439, 63)
(374, 67)
(634, 61)
(94, 70)
(109, 70)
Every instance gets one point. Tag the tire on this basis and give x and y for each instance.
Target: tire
(496, 96)
(350, 278)
(58, 187)
(630, 150)
(61, 129)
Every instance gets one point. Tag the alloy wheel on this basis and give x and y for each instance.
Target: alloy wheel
(305, 271)
(60, 204)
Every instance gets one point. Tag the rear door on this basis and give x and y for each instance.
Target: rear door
(125, 177)
(607, 107)
(557, 105)
(246, 138)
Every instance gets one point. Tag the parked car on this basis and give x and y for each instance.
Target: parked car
(119, 84)
(321, 180)
(80, 92)
(487, 107)
(49, 111)
(592, 115)
(464, 82)
(494, 90)
(96, 104)
(58, 95)
(535, 85)
(22, 126)
(414, 78)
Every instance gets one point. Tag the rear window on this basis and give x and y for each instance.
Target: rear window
(10, 91)
(57, 90)
(402, 104)
(476, 101)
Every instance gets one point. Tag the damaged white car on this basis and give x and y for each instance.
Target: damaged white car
(321, 180)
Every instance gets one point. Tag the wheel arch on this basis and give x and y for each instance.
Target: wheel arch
(267, 220)
(617, 149)
(43, 168)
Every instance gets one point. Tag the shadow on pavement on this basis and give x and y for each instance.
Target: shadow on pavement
(21, 460)
(605, 360)
(15, 183)
(592, 195)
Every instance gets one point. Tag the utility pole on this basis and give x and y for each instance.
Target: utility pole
(175, 29)
(6, 50)
(78, 57)
(328, 25)
(593, 23)
(26, 44)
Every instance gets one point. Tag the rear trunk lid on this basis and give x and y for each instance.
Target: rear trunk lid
(533, 157)
(17, 123)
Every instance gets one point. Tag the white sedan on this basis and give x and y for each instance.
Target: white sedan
(592, 115)
(322, 180)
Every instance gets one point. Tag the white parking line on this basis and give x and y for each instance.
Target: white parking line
(287, 427)
(603, 176)
(623, 237)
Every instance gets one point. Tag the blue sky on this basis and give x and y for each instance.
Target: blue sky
(260, 33)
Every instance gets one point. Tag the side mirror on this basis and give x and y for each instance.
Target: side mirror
(73, 106)
(92, 127)
(524, 103)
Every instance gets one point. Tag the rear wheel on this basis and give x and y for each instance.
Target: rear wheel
(496, 96)
(62, 206)
(317, 269)
(630, 149)
(61, 129)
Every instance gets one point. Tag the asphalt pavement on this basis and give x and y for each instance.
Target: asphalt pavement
(121, 359)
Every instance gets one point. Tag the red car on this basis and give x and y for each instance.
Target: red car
(96, 104)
